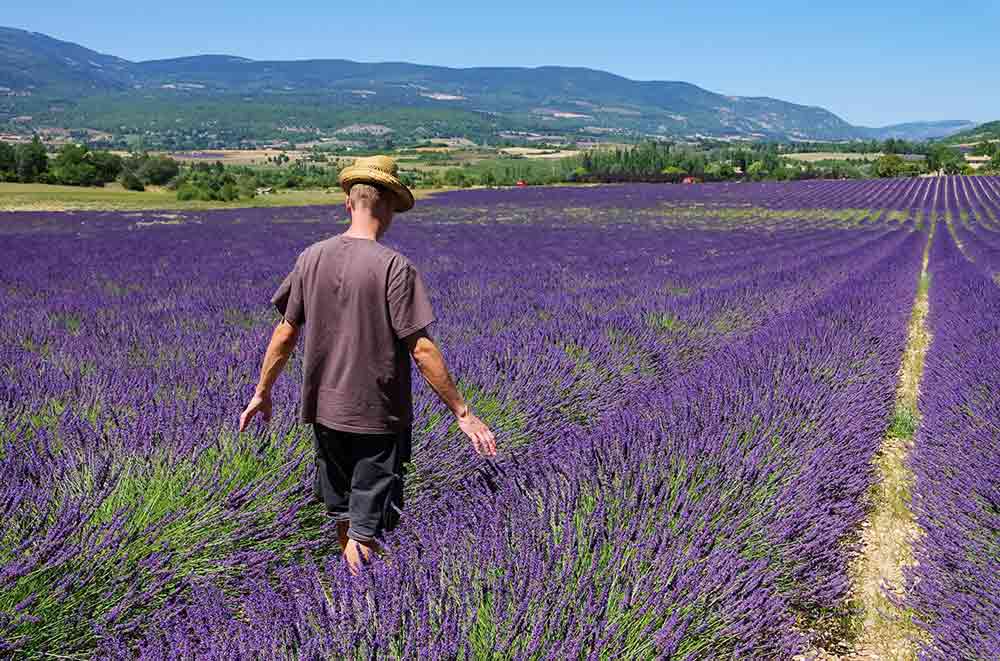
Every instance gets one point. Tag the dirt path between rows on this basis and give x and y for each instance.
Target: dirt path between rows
(883, 630)
(886, 628)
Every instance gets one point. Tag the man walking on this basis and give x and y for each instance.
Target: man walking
(364, 311)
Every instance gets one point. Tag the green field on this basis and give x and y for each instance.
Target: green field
(44, 197)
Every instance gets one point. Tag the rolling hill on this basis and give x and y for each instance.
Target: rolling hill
(989, 131)
(211, 100)
(922, 130)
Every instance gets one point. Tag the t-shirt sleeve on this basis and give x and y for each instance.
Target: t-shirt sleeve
(409, 305)
(289, 298)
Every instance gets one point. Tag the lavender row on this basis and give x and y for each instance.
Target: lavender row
(882, 194)
(955, 588)
(136, 338)
(710, 520)
(135, 334)
(610, 353)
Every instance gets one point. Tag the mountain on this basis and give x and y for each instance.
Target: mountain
(919, 131)
(219, 100)
(32, 62)
(559, 95)
(989, 131)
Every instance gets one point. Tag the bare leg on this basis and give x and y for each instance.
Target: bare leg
(342, 527)
(358, 554)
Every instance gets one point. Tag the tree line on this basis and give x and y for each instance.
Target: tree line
(78, 165)
(654, 161)
(220, 182)
(711, 161)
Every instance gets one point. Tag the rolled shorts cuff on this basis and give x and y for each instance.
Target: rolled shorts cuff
(338, 515)
(359, 536)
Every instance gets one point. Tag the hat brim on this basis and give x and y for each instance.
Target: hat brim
(362, 175)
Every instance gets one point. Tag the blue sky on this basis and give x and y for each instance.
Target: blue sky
(870, 62)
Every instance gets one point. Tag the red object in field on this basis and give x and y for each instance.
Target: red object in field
(522, 182)
(690, 180)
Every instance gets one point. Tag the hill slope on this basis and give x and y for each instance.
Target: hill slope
(31, 63)
(982, 133)
(221, 99)
(922, 130)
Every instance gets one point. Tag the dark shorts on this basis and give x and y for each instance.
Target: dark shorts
(359, 477)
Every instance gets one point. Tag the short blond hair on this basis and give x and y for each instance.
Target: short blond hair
(366, 195)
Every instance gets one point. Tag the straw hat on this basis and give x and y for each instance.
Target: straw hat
(379, 171)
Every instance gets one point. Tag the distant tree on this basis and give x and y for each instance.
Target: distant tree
(455, 177)
(757, 170)
(896, 146)
(108, 165)
(32, 161)
(995, 162)
(8, 162)
(933, 160)
(771, 161)
(190, 192)
(719, 171)
(741, 159)
(247, 185)
(229, 192)
(72, 167)
(889, 165)
(983, 149)
(954, 164)
(840, 170)
(942, 157)
(784, 173)
(130, 181)
(157, 170)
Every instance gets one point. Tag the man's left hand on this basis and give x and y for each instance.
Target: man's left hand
(259, 404)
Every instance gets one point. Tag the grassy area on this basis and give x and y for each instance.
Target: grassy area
(43, 197)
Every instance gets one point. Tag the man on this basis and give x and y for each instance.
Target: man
(364, 311)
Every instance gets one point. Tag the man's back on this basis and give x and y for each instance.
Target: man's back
(355, 299)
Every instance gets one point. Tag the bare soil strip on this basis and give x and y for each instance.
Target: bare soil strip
(883, 630)
(886, 630)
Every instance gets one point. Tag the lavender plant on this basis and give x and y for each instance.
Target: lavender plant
(955, 587)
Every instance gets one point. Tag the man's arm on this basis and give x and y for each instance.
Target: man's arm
(279, 350)
(431, 364)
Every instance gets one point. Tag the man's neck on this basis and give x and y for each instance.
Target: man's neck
(363, 227)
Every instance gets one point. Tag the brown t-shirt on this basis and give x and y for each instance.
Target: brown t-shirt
(355, 300)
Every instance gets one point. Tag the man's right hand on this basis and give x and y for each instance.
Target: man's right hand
(430, 362)
(482, 438)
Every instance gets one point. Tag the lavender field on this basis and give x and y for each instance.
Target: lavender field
(689, 384)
